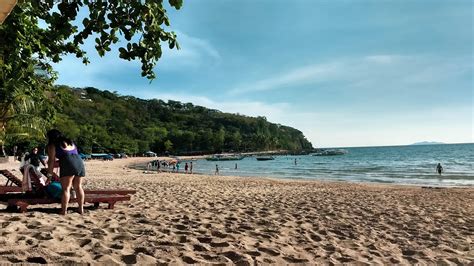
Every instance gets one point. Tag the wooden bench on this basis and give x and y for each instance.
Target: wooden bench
(96, 199)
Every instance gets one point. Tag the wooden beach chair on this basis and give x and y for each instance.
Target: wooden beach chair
(11, 178)
(38, 195)
(22, 202)
(13, 183)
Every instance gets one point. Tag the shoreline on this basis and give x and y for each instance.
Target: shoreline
(185, 219)
(423, 186)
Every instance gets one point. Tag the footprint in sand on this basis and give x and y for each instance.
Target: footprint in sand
(218, 234)
(269, 251)
(315, 237)
(123, 236)
(219, 244)
(116, 246)
(181, 227)
(183, 239)
(15, 219)
(189, 260)
(43, 236)
(330, 248)
(39, 260)
(69, 254)
(235, 257)
(205, 240)
(245, 227)
(84, 242)
(200, 248)
(144, 250)
(129, 259)
(254, 253)
(292, 259)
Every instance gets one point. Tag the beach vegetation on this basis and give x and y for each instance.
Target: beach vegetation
(38, 34)
(108, 122)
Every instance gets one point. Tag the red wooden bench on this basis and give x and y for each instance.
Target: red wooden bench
(96, 199)
(14, 197)
(13, 180)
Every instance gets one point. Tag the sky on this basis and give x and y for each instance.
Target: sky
(345, 73)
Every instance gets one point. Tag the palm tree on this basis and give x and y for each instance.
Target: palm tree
(20, 113)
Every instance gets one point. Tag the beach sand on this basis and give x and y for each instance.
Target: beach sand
(179, 219)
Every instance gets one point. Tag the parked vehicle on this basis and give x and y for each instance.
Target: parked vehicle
(85, 156)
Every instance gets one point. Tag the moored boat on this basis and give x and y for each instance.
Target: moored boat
(223, 157)
(265, 158)
(331, 152)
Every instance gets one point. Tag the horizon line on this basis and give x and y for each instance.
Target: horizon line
(396, 145)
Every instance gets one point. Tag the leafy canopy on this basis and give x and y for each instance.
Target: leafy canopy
(38, 33)
(108, 122)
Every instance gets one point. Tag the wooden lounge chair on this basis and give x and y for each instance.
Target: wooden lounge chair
(24, 202)
(13, 183)
(38, 195)
(14, 180)
(11, 178)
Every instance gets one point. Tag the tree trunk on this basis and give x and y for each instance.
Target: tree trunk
(2, 141)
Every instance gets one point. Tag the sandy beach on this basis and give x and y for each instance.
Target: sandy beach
(184, 219)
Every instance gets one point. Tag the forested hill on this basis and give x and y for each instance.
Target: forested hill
(103, 121)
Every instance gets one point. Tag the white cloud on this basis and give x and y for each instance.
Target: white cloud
(383, 59)
(272, 111)
(368, 72)
(194, 52)
(303, 75)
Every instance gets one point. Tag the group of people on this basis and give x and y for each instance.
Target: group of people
(156, 165)
(188, 168)
(63, 153)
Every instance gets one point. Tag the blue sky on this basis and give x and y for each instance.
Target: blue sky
(346, 73)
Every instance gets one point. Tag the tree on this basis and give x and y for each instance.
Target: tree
(28, 49)
(24, 112)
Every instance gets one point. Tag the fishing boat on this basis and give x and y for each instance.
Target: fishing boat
(225, 157)
(265, 158)
(331, 152)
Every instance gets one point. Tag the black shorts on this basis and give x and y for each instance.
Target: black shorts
(71, 164)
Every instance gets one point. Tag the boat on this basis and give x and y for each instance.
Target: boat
(265, 158)
(225, 157)
(331, 152)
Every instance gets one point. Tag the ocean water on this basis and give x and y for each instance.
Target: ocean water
(413, 165)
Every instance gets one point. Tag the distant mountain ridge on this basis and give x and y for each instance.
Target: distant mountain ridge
(427, 143)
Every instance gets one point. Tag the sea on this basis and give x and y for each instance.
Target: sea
(407, 165)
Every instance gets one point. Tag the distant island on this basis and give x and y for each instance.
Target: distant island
(427, 143)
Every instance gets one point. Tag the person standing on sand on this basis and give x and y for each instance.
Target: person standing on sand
(439, 169)
(15, 150)
(191, 167)
(186, 168)
(217, 170)
(71, 167)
